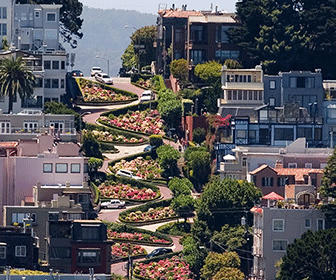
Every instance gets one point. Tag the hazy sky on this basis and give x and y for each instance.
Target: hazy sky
(151, 6)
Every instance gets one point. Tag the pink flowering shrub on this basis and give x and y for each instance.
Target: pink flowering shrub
(126, 191)
(137, 236)
(121, 250)
(152, 214)
(148, 121)
(147, 169)
(106, 136)
(167, 269)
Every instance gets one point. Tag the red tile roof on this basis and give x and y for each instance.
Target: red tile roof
(8, 145)
(179, 13)
(260, 168)
(299, 173)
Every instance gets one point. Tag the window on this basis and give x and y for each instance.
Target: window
(2, 252)
(282, 181)
(88, 256)
(74, 216)
(278, 225)
(51, 34)
(307, 223)
(55, 64)
(284, 134)
(61, 168)
(53, 216)
(83, 198)
(18, 217)
(267, 181)
(47, 64)
(308, 165)
(178, 35)
(300, 82)
(3, 29)
(90, 232)
(75, 167)
(318, 134)
(323, 165)
(86, 168)
(305, 132)
(30, 126)
(54, 83)
(197, 33)
(5, 127)
(272, 85)
(197, 56)
(62, 64)
(38, 83)
(47, 83)
(279, 245)
(320, 224)
(272, 102)
(20, 251)
(60, 252)
(292, 165)
(62, 83)
(292, 82)
(47, 167)
(241, 134)
(3, 12)
(37, 14)
(51, 17)
(244, 161)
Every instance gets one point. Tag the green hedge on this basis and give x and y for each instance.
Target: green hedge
(107, 87)
(144, 208)
(130, 157)
(175, 228)
(117, 132)
(129, 229)
(134, 183)
(137, 76)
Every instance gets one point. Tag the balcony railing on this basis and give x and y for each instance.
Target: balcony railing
(55, 132)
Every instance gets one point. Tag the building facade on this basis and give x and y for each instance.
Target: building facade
(273, 230)
(6, 20)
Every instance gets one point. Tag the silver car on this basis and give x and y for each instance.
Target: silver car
(127, 173)
(113, 204)
(95, 70)
(104, 78)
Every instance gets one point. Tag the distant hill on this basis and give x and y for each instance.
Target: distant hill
(107, 34)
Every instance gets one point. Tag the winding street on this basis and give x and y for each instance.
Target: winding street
(113, 215)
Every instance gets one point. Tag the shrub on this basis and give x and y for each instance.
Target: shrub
(199, 135)
(180, 186)
(168, 158)
(90, 146)
(156, 140)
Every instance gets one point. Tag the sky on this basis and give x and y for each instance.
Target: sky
(151, 6)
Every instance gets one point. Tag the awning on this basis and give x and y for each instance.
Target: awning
(273, 196)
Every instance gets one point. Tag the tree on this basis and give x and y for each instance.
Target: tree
(129, 59)
(155, 140)
(198, 135)
(225, 201)
(232, 64)
(90, 146)
(180, 186)
(214, 262)
(209, 72)
(201, 231)
(198, 165)
(70, 13)
(4, 44)
(94, 164)
(61, 109)
(286, 35)
(168, 158)
(183, 205)
(170, 108)
(193, 254)
(328, 187)
(231, 273)
(144, 36)
(180, 70)
(313, 256)
(15, 78)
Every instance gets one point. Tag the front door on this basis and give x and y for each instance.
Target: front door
(306, 199)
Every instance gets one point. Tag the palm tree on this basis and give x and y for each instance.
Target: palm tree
(15, 78)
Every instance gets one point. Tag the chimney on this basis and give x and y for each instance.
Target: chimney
(278, 164)
(216, 9)
(173, 7)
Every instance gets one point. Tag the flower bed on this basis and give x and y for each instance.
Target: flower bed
(121, 250)
(147, 169)
(166, 269)
(152, 214)
(137, 237)
(127, 192)
(94, 92)
(147, 121)
(127, 234)
(106, 136)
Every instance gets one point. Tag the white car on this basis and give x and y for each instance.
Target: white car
(147, 95)
(95, 70)
(127, 173)
(104, 78)
(113, 204)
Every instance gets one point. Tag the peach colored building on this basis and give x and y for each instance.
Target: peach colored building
(42, 160)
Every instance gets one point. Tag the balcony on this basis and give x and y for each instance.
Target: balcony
(20, 130)
(242, 86)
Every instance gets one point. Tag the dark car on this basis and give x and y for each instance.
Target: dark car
(77, 73)
(149, 148)
(159, 252)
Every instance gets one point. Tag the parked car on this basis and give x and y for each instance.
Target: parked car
(113, 204)
(159, 252)
(147, 95)
(104, 78)
(77, 73)
(95, 70)
(149, 148)
(127, 173)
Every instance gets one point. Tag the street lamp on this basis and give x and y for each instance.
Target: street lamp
(108, 63)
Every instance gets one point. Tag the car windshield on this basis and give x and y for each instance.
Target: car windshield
(96, 68)
(146, 94)
(106, 77)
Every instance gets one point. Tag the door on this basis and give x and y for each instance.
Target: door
(306, 199)
(264, 136)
